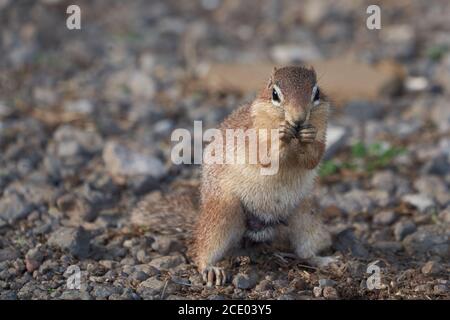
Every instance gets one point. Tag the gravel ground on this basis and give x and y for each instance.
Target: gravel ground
(85, 123)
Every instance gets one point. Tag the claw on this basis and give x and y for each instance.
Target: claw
(214, 276)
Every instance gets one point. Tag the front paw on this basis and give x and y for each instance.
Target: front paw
(287, 132)
(307, 133)
(214, 275)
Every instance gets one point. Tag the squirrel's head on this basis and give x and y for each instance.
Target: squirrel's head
(293, 93)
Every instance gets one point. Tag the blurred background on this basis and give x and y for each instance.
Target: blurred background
(86, 117)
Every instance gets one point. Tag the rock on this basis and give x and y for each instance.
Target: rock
(151, 286)
(130, 81)
(33, 259)
(420, 201)
(264, 285)
(440, 115)
(330, 293)
(385, 218)
(74, 240)
(444, 215)
(167, 262)
(166, 244)
(399, 41)
(77, 208)
(70, 150)
(81, 106)
(123, 161)
(428, 240)
(336, 137)
(346, 242)
(431, 268)
(439, 165)
(317, 292)
(384, 180)
(13, 207)
(440, 289)
(8, 254)
(433, 187)
(403, 228)
(326, 283)
(244, 281)
(356, 201)
(104, 291)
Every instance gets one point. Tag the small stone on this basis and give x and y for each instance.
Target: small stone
(330, 293)
(336, 138)
(317, 291)
(444, 215)
(33, 259)
(165, 244)
(139, 276)
(403, 228)
(422, 288)
(346, 241)
(420, 201)
(264, 285)
(77, 208)
(82, 106)
(104, 291)
(326, 283)
(13, 207)
(244, 281)
(74, 240)
(123, 161)
(152, 286)
(385, 218)
(431, 268)
(440, 289)
(428, 240)
(167, 262)
(8, 254)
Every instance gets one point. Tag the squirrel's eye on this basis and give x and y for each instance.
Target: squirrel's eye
(315, 98)
(275, 96)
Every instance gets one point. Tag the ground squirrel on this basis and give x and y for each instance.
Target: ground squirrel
(239, 203)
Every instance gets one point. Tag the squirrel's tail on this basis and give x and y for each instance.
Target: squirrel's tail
(171, 212)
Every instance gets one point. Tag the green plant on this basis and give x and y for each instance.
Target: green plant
(365, 158)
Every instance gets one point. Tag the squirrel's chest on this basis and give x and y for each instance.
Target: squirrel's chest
(273, 197)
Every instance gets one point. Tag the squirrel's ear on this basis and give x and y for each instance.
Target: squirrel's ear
(310, 68)
(272, 76)
(274, 70)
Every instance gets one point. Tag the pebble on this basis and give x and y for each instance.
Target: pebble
(34, 258)
(346, 241)
(431, 268)
(403, 228)
(317, 291)
(123, 161)
(420, 201)
(428, 240)
(74, 240)
(385, 218)
(244, 281)
(167, 262)
(330, 293)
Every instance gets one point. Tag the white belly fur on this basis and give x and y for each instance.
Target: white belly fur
(271, 197)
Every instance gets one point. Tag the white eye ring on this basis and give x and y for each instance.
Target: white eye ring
(279, 94)
(315, 90)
